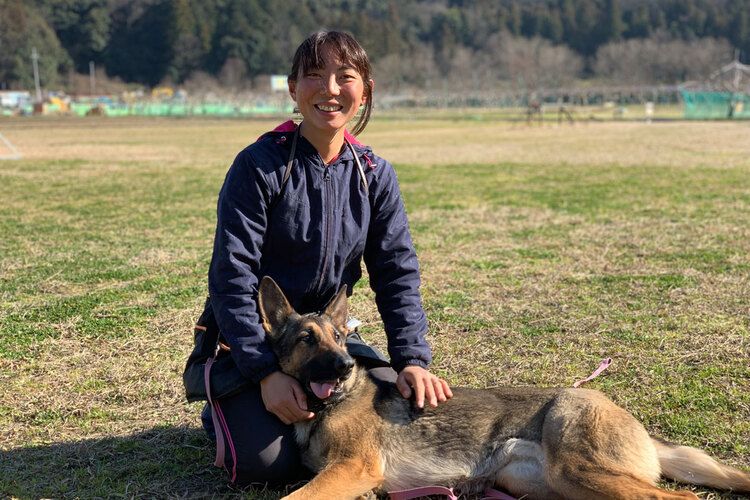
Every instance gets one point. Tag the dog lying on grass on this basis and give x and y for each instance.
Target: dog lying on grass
(532, 442)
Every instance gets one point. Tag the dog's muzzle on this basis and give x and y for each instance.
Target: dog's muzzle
(327, 372)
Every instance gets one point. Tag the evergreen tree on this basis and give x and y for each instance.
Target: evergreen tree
(82, 27)
(612, 25)
(515, 18)
(568, 17)
(149, 41)
(22, 29)
(242, 35)
(531, 21)
(552, 26)
(191, 36)
(142, 43)
(638, 23)
(587, 35)
(740, 27)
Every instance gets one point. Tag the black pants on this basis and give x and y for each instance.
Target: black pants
(260, 448)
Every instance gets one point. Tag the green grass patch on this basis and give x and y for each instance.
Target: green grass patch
(533, 270)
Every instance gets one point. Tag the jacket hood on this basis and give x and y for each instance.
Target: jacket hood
(290, 126)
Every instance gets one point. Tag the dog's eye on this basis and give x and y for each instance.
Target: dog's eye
(306, 337)
(336, 336)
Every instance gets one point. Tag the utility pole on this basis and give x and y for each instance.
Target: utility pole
(92, 78)
(737, 66)
(35, 62)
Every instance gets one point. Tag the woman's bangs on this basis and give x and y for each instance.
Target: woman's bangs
(348, 53)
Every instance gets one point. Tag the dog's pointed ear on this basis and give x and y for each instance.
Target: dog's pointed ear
(274, 308)
(338, 309)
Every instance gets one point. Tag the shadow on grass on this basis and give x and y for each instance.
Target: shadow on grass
(162, 462)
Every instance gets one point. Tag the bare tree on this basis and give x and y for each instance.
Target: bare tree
(533, 63)
(660, 59)
(397, 72)
(234, 73)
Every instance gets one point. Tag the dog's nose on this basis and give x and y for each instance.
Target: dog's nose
(344, 365)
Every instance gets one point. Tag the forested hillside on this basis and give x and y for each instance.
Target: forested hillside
(414, 43)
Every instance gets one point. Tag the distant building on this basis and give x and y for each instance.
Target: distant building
(724, 95)
(14, 98)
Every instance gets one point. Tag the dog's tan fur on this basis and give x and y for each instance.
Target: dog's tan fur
(532, 442)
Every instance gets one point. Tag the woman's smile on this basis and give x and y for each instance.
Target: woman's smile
(329, 108)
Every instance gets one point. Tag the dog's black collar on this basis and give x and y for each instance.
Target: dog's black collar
(317, 405)
(314, 404)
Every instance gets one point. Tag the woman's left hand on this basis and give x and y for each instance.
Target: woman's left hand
(425, 385)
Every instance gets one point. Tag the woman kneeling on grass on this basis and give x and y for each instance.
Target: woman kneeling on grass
(304, 204)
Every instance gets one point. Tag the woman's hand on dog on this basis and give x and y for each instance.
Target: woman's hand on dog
(425, 385)
(284, 397)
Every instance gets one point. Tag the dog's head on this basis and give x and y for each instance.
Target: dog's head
(310, 347)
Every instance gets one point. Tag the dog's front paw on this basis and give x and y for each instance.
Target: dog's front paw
(370, 495)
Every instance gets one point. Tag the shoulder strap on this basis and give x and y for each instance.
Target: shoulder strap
(359, 166)
(288, 170)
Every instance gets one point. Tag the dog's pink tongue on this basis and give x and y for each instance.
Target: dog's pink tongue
(322, 390)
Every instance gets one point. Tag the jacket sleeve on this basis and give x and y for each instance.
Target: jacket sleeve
(394, 273)
(233, 275)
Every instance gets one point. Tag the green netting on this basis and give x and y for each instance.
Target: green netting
(179, 109)
(704, 105)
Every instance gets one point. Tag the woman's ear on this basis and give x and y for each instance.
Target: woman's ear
(372, 89)
(292, 89)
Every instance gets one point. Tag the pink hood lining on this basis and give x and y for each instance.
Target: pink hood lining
(290, 126)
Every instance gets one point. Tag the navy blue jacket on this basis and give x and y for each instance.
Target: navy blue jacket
(310, 236)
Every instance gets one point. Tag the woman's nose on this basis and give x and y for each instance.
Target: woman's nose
(330, 85)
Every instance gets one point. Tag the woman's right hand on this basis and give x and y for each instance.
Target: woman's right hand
(284, 397)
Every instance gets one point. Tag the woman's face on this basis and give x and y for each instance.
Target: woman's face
(328, 97)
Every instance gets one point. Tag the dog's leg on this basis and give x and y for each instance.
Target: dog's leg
(595, 485)
(595, 449)
(522, 472)
(343, 479)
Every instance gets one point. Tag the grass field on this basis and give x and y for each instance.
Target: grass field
(543, 250)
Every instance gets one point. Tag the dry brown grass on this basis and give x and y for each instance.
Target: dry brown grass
(678, 144)
(683, 144)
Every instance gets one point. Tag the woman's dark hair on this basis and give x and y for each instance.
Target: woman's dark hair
(347, 49)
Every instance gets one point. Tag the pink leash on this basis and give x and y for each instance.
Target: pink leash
(489, 493)
(421, 492)
(219, 462)
(602, 366)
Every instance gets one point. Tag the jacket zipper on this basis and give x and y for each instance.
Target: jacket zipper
(328, 223)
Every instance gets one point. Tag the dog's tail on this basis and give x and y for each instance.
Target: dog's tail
(693, 466)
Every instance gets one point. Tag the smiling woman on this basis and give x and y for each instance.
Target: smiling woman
(336, 66)
(305, 205)
(329, 94)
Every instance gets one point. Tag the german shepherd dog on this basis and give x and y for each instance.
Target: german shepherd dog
(533, 442)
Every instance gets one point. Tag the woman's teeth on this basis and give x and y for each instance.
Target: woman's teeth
(323, 107)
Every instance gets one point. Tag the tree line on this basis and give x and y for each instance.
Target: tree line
(413, 43)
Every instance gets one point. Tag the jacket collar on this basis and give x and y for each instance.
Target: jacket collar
(290, 126)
